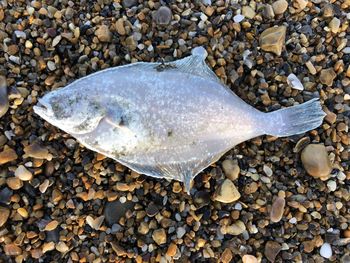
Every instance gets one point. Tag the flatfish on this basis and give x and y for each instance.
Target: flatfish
(166, 120)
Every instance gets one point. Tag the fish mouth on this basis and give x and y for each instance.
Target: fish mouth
(43, 108)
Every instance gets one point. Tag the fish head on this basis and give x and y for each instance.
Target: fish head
(71, 111)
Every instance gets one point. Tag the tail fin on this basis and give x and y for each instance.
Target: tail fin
(295, 120)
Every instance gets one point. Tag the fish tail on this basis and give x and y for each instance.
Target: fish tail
(295, 120)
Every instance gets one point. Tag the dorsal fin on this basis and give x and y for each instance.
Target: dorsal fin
(195, 64)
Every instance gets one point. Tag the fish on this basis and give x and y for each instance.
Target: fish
(166, 120)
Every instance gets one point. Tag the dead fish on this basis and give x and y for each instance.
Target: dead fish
(166, 120)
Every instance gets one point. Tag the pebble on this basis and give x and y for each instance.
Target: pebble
(120, 26)
(327, 76)
(279, 6)
(23, 212)
(272, 39)
(334, 25)
(294, 82)
(12, 250)
(163, 15)
(143, 228)
(332, 185)
(4, 215)
(159, 236)
(35, 150)
(7, 155)
(277, 209)
(152, 210)
(272, 249)
(238, 18)
(129, 3)
(227, 192)
(172, 249)
(316, 161)
(14, 183)
(180, 232)
(52, 225)
(235, 229)
(231, 169)
(4, 102)
(114, 210)
(62, 247)
(268, 12)
(326, 250)
(248, 12)
(249, 259)
(300, 4)
(23, 173)
(95, 223)
(103, 33)
(226, 256)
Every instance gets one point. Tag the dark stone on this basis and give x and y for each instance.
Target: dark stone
(5, 195)
(115, 210)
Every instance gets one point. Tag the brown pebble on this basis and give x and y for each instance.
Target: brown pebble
(279, 6)
(251, 188)
(12, 250)
(226, 256)
(103, 33)
(327, 76)
(272, 249)
(227, 192)
(62, 247)
(4, 215)
(119, 25)
(171, 251)
(35, 150)
(4, 102)
(249, 259)
(95, 223)
(14, 183)
(316, 161)
(23, 212)
(159, 236)
(308, 246)
(36, 253)
(48, 247)
(272, 39)
(52, 225)
(7, 155)
(277, 209)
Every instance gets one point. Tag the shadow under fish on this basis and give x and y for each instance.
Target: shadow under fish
(166, 120)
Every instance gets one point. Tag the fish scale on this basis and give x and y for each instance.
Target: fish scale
(166, 120)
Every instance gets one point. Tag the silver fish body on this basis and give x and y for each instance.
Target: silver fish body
(165, 120)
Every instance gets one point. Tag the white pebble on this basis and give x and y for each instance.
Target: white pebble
(341, 176)
(267, 170)
(122, 199)
(294, 82)
(180, 232)
(326, 250)
(332, 185)
(20, 34)
(238, 206)
(346, 50)
(293, 220)
(238, 18)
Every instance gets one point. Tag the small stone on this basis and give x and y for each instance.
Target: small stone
(180, 232)
(163, 15)
(272, 39)
(272, 249)
(231, 169)
(227, 192)
(277, 209)
(23, 212)
(226, 256)
(4, 215)
(294, 82)
(14, 183)
(268, 12)
(345, 258)
(7, 155)
(56, 40)
(279, 6)
(129, 3)
(334, 25)
(159, 236)
(236, 229)
(23, 173)
(35, 150)
(249, 259)
(327, 76)
(248, 12)
(52, 225)
(36, 253)
(309, 246)
(267, 170)
(103, 33)
(299, 5)
(115, 210)
(311, 67)
(172, 249)
(326, 250)
(316, 161)
(238, 18)
(62, 247)
(4, 102)
(152, 210)
(95, 223)
(12, 250)
(328, 10)
(332, 185)
(120, 27)
(143, 228)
